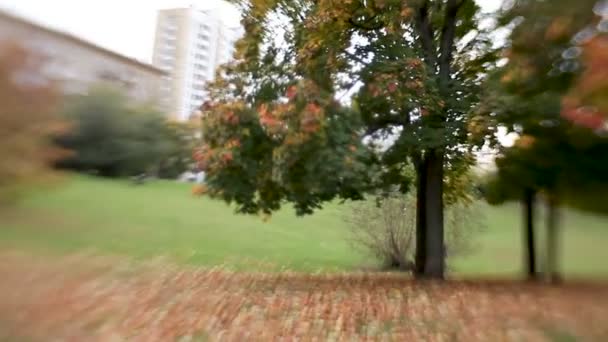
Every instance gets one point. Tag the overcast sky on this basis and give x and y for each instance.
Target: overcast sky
(125, 26)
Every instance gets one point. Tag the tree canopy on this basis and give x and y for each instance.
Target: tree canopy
(546, 94)
(286, 96)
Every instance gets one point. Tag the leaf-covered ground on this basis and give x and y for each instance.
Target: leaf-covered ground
(84, 298)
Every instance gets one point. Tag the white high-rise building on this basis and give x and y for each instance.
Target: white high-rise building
(190, 45)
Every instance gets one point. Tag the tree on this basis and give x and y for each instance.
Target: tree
(181, 140)
(28, 121)
(511, 184)
(544, 93)
(277, 131)
(516, 179)
(586, 103)
(112, 137)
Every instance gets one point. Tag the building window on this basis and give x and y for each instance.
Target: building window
(167, 62)
(170, 24)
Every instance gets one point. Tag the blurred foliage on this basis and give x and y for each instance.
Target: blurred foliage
(586, 103)
(562, 149)
(114, 138)
(28, 121)
(181, 139)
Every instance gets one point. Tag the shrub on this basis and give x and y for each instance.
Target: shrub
(112, 137)
(385, 227)
(181, 140)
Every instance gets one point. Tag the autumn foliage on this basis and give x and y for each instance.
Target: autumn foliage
(587, 102)
(281, 147)
(27, 121)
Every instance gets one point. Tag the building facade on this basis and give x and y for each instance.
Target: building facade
(190, 44)
(77, 65)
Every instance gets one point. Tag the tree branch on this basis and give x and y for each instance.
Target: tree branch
(356, 58)
(448, 33)
(425, 30)
(365, 25)
(382, 123)
(416, 159)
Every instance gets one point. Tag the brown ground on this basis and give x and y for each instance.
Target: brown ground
(84, 298)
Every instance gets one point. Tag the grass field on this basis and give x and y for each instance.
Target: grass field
(163, 219)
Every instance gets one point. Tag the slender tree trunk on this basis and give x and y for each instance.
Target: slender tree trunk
(435, 248)
(553, 239)
(420, 259)
(529, 241)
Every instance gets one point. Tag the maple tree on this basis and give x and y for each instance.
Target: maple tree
(28, 121)
(586, 104)
(317, 90)
(547, 92)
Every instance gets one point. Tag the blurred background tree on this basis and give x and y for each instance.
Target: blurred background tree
(546, 95)
(111, 137)
(28, 122)
(181, 140)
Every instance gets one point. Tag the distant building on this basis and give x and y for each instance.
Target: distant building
(78, 65)
(190, 45)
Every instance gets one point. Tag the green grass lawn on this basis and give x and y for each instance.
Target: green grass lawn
(163, 219)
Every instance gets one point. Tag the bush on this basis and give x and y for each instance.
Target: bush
(181, 141)
(386, 228)
(114, 138)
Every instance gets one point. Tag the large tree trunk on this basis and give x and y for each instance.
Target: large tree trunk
(553, 239)
(435, 249)
(430, 196)
(420, 259)
(529, 241)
